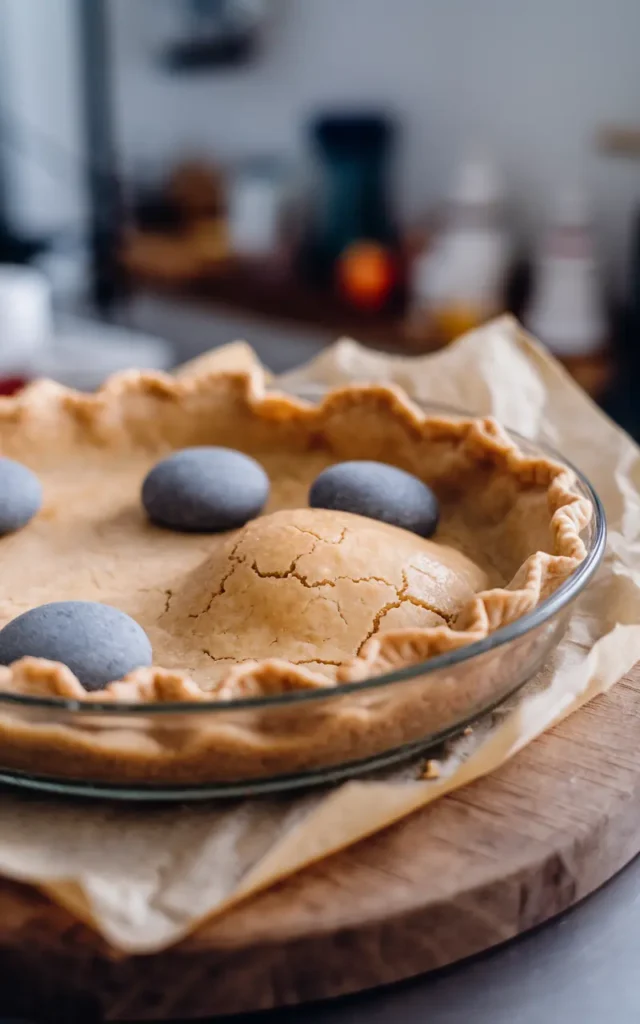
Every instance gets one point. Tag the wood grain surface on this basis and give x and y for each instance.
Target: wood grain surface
(480, 866)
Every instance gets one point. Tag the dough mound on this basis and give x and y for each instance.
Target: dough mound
(312, 586)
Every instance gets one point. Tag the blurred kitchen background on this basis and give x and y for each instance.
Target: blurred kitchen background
(175, 174)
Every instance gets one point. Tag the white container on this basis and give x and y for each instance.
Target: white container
(566, 311)
(257, 199)
(25, 317)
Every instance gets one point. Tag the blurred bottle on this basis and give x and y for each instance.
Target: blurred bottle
(351, 202)
(458, 281)
(566, 310)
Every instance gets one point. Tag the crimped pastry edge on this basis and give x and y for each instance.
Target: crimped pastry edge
(488, 611)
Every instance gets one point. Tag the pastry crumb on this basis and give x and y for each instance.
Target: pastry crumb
(468, 731)
(431, 770)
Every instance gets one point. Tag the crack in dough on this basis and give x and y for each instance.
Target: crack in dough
(402, 596)
(221, 589)
(208, 654)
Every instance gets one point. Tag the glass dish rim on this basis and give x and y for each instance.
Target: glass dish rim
(543, 612)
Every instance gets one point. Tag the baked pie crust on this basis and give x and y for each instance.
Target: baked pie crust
(298, 599)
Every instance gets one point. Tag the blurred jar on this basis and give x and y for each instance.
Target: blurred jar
(566, 311)
(259, 203)
(458, 282)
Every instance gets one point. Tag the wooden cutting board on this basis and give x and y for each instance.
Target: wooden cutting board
(478, 867)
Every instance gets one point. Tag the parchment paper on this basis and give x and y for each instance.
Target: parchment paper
(144, 877)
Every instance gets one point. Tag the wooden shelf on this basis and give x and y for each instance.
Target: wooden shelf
(277, 298)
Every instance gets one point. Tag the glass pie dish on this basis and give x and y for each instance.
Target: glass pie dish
(295, 738)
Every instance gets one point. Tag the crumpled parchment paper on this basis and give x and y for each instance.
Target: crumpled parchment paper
(144, 877)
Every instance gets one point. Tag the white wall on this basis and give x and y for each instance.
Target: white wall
(533, 78)
(40, 93)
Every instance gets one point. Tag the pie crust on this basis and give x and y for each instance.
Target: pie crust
(299, 599)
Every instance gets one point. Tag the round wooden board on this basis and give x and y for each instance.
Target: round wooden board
(478, 867)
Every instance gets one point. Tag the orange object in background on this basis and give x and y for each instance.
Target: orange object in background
(367, 273)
